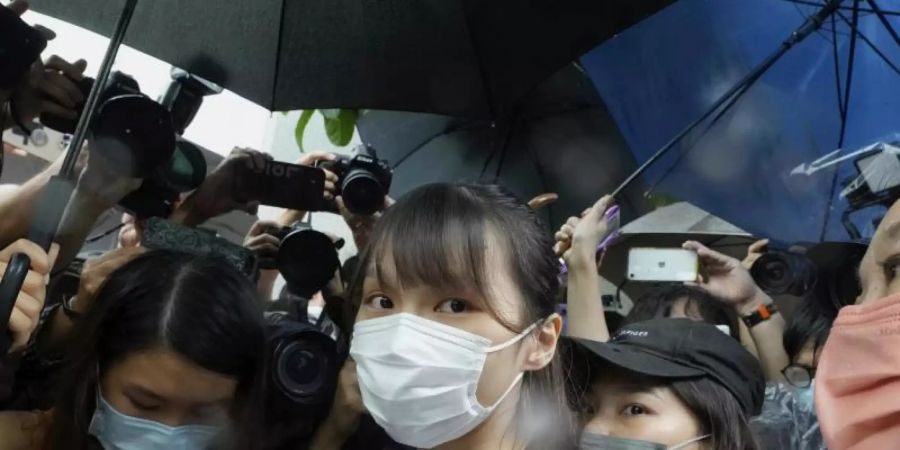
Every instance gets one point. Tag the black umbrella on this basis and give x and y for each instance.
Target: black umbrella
(458, 57)
(559, 139)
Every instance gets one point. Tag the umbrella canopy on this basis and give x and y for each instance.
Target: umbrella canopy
(458, 57)
(559, 139)
(837, 89)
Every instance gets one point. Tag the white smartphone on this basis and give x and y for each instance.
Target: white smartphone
(662, 264)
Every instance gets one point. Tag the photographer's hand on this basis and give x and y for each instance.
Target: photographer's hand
(49, 88)
(262, 241)
(361, 225)
(730, 282)
(346, 411)
(223, 191)
(97, 270)
(27, 310)
(99, 188)
(754, 251)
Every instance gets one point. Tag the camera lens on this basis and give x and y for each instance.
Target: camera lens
(308, 260)
(134, 134)
(362, 192)
(187, 168)
(779, 273)
(301, 369)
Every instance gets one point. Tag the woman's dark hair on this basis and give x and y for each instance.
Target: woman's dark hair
(659, 303)
(440, 235)
(203, 309)
(718, 413)
(809, 324)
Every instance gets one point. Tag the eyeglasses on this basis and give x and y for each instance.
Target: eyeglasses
(798, 375)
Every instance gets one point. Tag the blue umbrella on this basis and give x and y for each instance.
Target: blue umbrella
(766, 159)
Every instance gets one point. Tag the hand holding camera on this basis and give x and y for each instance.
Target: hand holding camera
(364, 180)
(361, 224)
(97, 270)
(30, 301)
(727, 279)
(50, 87)
(101, 184)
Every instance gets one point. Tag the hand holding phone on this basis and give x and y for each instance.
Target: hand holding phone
(663, 264)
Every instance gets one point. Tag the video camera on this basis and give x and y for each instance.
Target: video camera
(141, 137)
(364, 180)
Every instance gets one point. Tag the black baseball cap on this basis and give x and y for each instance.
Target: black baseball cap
(681, 349)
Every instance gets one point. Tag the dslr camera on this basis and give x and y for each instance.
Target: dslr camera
(826, 270)
(305, 358)
(364, 180)
(305, 351)
(142, 138)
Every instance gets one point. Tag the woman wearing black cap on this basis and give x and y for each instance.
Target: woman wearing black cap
(669, 384)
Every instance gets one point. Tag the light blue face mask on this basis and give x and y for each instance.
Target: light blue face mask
(804, 396)
(116, 431)
(592, 441)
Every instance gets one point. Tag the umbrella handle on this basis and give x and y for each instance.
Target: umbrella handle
(12, 282)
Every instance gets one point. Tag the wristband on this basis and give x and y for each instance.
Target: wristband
(762, 314)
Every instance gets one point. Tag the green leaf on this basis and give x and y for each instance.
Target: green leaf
(340, 125)
(330, 113)
(300, 129)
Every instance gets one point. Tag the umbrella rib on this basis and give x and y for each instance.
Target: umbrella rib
(278, 55)
(837, 66)
(872, 46)
(865, 10)
(884, 21)
(851, 58)
(847, 86)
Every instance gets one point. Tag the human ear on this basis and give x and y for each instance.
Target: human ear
(545, 338)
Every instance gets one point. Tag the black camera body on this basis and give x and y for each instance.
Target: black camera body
(364, 180)
(305, 360)
(141, 138)
(826, 270)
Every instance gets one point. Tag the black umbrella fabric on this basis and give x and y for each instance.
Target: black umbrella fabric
(559, 139)
(467, 58)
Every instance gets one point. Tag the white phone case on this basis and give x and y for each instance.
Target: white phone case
(662, 264)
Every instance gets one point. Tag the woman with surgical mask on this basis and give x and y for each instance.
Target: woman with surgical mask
(168, 355)
(455, 336)
(857, 393)
(668, 384)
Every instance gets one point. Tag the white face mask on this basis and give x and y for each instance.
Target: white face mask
(418, 378)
